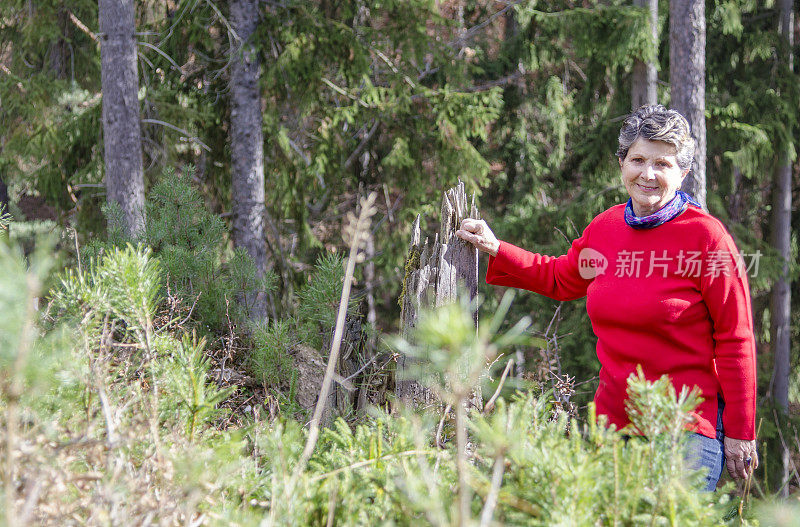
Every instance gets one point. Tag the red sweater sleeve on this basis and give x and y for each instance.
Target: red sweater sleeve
(555, 277)
(727, 296)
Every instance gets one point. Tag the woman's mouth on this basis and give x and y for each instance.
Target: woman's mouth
(646, 188)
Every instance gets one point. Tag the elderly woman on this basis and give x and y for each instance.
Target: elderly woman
(665, 289)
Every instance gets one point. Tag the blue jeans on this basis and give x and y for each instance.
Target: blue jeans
(706, 453)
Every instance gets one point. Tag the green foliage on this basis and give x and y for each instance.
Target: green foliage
(26, 234)
(27, 361)
(187, 381)
(587, 478)
(270, 360)
(128, 285)
(177, 219)
(524, 107)
(655, 409)
(401, 96)
(271, 343)
(51, 114)
(189, 239)
(318, 301)
(124, 284)
(592, 473)
(446, 353)
(778, 513)
(387, 469)
(190, 243)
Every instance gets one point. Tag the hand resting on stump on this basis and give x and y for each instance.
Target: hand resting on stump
(478, 233)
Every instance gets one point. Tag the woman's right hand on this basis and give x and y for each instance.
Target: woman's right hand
(741, 457)
(478, 234)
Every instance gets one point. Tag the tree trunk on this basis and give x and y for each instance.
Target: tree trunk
(435, 275)
(645, 74)
(121, 129)
(59, 49)
(687, 70)
(247, 147)
(781, 239)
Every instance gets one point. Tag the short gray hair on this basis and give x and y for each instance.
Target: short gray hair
(656, 123)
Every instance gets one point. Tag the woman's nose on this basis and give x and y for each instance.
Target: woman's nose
(649, 172)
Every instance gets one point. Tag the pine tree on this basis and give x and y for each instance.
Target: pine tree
(687, 79)
(645, 74)
(247, 142)
(781, 240)
(121, 125)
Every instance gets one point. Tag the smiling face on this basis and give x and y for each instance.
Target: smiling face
(651, 175)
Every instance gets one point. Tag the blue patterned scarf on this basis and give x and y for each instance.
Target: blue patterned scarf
(669, 211)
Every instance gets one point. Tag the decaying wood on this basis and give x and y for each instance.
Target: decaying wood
(435, 274)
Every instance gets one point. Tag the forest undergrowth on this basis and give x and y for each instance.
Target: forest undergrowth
(115, 411)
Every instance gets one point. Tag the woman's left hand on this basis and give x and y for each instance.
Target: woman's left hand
(737, 454)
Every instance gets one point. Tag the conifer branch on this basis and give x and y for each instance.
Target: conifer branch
(360, 148)
(224, 20)
(474, 29)
(502, 81)
(83, 27)
(178, 129)
(160, 52)
(7, 71)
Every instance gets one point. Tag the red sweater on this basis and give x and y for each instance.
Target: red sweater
(674, 299)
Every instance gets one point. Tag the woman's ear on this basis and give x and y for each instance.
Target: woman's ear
(685, 173)
(620, 162)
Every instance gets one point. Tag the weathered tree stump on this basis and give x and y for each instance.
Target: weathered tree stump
(435, 274)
